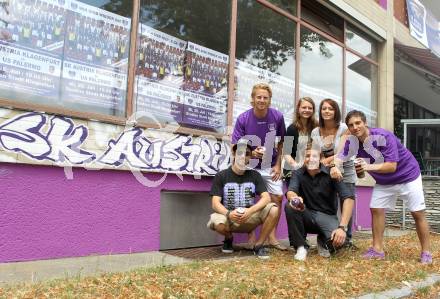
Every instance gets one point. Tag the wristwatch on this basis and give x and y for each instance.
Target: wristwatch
(227, 214)
(343, 227)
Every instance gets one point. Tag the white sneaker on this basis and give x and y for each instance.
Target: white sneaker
(323, 251)
(301, 254)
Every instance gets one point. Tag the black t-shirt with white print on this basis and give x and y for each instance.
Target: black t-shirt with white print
(237, 190)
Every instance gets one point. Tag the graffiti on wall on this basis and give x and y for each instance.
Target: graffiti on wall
(59, 140)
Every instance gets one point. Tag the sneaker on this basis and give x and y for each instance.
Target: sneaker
(322, 251)
(227, 246)
(261, 252)
(301, 254)
(426, 258)
(372, 254)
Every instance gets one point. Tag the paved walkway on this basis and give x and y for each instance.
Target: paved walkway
(36, 271)
(406, 291)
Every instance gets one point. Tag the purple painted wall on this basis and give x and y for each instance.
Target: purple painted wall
(43, 215)
(362, 210)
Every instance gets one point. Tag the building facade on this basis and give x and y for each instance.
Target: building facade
(115, 115)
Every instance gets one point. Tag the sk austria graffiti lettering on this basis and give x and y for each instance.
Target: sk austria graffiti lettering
(58, 139)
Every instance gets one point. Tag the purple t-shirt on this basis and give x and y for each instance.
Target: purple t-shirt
(391, 150)
(266, 130)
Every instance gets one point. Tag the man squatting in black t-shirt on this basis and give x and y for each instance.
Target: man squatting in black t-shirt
(313, 186)
(233, 201)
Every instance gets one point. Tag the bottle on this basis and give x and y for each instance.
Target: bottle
(357, 165)
(297, 204)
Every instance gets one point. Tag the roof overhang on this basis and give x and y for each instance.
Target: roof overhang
(425, 57)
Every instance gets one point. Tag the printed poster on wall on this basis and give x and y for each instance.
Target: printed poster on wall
(205, 87)
(95, 62)
(423, 25)
(31, 46)
(159, 75)
(283, 89)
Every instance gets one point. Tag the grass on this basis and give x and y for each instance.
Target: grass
(343, 276)
(429, 292)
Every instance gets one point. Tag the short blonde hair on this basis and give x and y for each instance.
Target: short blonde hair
(264, 86)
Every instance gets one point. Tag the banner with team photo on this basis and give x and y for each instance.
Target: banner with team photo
(31, 45)
(95, 58)
(94, 87)
(160, 57)
(206, 85)
(165, 103)
(95, 36)
(204, 111)
(283, 89)
(159, 74)
(27, 74)
(37, 26)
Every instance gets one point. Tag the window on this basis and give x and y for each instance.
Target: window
(361, 43)
(71, 54)
(265, 53)
(288, 5)
(322, 18)
(73, 58)
(320, 68)
(362, 82)
(182, 62)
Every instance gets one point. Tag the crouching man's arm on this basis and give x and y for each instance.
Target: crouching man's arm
(339, 234)
(294, 187)
(218, 207)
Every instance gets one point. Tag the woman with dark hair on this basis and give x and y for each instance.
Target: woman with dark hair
(328, 136)
(303, 124)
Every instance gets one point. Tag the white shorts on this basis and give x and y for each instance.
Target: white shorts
(275, 188)
(384, 196)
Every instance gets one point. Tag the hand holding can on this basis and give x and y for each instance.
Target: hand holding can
(260, 150)
(240, 210)
(358, 165)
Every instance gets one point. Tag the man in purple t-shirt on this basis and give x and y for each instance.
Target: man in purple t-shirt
(263, 127)
(397, 173)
